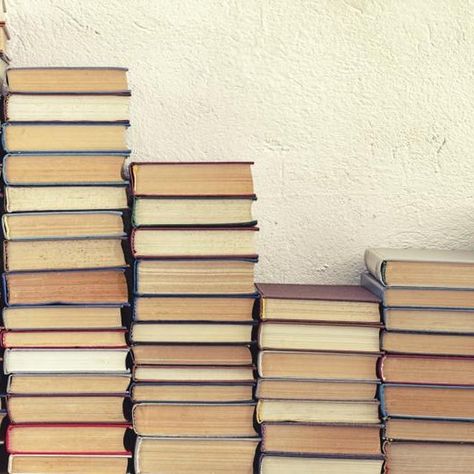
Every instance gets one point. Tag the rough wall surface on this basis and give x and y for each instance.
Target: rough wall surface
(359, 114)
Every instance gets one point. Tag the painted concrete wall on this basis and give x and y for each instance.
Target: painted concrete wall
(359, 114)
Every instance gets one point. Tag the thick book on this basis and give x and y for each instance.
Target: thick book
(192, 179)
(71, 338)
(331, 303)
(194, 419)
(176, 308)
(419, 297)
(425, 343)
(284, 464)
(322, 439)
(197, 455)
(318, 411)
(194, 277)
(194, 373)
(191, 333)
(428, 401)
(296, 389)
(429, 369)
(63, 225)
(443, 458)
(63, 254)
(196, 242)
(70, 169)
(191, 354)
(107, 286)
(192, 392)
(317, 365)
(318, 337)
(422, 267)
(63, 317)
(65, 198)
(62, 361)
(417, 429)
(67, 408)
(68, 438)
(79, 80)
(429, 320)
(67, 384)
(72, 464)
(66, 108)
(98, 137)
(182, 211)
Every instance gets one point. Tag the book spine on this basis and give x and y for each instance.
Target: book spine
(374, 264)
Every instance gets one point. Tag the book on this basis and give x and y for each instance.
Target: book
(181, 211)
(318, 411)
(176, 308)
(318, 337)
(194, 277)
(317, 365)
(416, 429)
(63, 225)
(428, 401)
(66, 254)
(60, 383)
(66, 108)
(191, 354)
(195, 333)
(65, 198)
(411, 458)
(80, 80)
(197, 242)
(427, 369)
(422, 343)
(67, 409)
(203, 455)
(281, 464)
(195, 373)
(194, 419)
(78, 169)
(419, 297)
(73, 338)
(42, 137)
(72, 464)
(64, 438)
(322, 303)
(199, 179)
(65, 360)
(107, 286)
(284, 389)
(322, 439)
(62, 317)
(429, 320)
(192, 392)
(421, 267)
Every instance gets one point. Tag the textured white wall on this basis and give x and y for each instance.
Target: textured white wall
(359, 114)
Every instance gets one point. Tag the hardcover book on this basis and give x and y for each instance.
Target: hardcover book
(80, 80)
(199, 179)
(331, 303)
(422, 267)
(70, 169)
(181, 211)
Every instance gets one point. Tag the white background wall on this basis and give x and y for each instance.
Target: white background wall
(359, 114)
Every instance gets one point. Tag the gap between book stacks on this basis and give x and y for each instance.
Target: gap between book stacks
(137, 341)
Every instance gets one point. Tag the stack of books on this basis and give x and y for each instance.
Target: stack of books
(318, 380)
(64, 281)
(4, 37)
(428, 370)
(194, 244)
